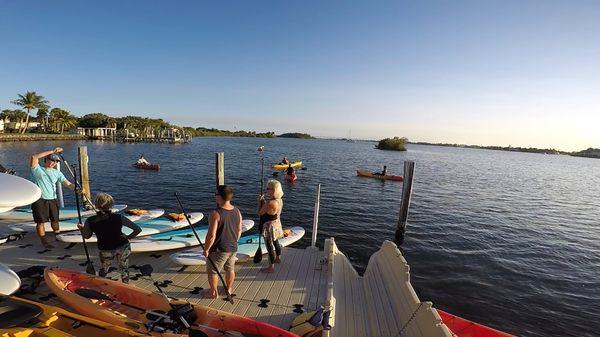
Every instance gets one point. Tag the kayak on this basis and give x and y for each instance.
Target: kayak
(154, 167)
(247, 246)
(69, 212)
(22, 317)
(17, 191)
(149, 227)
(71, 224)
(126, 305)
(9, 280)
(180, 238)
(295, 164)
(364, 173)
(292, 177)
(461, 327)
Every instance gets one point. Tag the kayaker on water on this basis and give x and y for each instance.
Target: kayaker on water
(270, 223)
(46, 208)
(224, 231)
(113, 244)
(382, 173)
(290, 170)
(142, 161)
(285, 161)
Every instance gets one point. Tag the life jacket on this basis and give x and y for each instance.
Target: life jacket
(137, 211)
(176, 216)
(311, 323)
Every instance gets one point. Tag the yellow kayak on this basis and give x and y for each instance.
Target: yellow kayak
(295, 164)
(21, 317)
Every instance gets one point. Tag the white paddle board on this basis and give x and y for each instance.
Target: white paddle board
(17, 191)
(69, 212)
(71, 224)
(5, 209)
(176, 239)
(9, 280)
(149, 227)
(247, 246)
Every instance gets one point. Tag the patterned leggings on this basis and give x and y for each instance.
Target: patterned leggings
(121, 255)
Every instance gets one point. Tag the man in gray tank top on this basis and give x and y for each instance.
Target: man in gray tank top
(224, 231)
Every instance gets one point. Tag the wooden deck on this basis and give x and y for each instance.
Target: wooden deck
(299, 280)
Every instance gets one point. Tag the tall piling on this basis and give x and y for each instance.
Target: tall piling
(409, 169)
(219, 169)
(84, 174)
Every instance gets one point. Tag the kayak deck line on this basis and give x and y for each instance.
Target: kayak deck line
(381, 302)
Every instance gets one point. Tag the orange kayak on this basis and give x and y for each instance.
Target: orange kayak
(154, 167)
(291, 177)
(461, 327)
(124, 306)
(364, 173)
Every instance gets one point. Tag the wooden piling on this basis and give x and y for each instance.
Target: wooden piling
(409, 169)
(219, 168)
(84, 174)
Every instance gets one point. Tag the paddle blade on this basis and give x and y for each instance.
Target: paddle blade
(91, 294)
(258, 255)
(89, 268)
(146, 270)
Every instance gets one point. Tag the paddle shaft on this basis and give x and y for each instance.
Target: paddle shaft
(258, 255)
(77, 184)
(202, 245)
(90, 267)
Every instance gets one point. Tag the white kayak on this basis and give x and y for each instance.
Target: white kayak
(9, 280)
(247, 246)
(70, 212)
(17, 191)
(71, 224)
(148, 227)
(176, 239)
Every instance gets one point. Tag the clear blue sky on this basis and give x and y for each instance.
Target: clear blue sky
(521, 73)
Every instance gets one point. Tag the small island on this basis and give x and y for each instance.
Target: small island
(392, 144)
(296, 135)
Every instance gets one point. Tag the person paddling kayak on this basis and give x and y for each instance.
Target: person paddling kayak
(142, 161)
(382, 173)
(290, 170)
(46, 177)
(285, 161)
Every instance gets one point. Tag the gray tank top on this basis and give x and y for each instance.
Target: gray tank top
(227, 230)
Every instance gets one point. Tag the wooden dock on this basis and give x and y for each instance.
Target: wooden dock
(298, 282)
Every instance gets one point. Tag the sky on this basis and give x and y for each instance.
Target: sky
(519, 73)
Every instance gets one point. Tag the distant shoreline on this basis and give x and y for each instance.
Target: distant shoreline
(18, 137)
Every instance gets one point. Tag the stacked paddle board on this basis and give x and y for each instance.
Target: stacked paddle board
(148, 226)
(70, 224)
(9, 280)
(70, 212)
(181, 238)
(247, 246)
(16, 192)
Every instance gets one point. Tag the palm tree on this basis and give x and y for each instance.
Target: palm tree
(42, 117)
(62, 119)
(29, 101)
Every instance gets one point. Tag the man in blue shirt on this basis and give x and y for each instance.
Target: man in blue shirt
(46, 177)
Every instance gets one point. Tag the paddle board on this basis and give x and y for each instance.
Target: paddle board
(69, 212)
(149, 227)
(176, 239)
(9, 280)
(17, 191)
(5, 209)
(247, 246)
(71, 224)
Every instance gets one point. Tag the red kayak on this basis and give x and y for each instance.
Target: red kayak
(154, 167)
(293, 177)
(461, 327)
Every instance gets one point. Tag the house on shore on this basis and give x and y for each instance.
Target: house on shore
(98, 133)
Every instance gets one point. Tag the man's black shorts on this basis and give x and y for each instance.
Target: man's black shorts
(45, 210)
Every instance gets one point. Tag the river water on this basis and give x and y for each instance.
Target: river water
(510, 240)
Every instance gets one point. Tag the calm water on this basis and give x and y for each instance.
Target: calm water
(510, 240)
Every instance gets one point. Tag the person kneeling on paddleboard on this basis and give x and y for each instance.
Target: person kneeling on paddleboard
(113, 244)
(46, 208)
(270, 222)
(221, 243)
(142, 161)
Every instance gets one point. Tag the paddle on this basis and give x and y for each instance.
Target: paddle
(89, 268)
(228, 298)
(90, 203)
(259, 254)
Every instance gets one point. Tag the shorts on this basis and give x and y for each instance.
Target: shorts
(45, 210)
(222, 260)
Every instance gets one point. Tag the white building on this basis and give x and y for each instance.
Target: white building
(98, 133)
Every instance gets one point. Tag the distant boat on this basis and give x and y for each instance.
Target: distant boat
(349, 139)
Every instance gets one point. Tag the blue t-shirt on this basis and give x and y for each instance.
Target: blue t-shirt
(46, 180)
